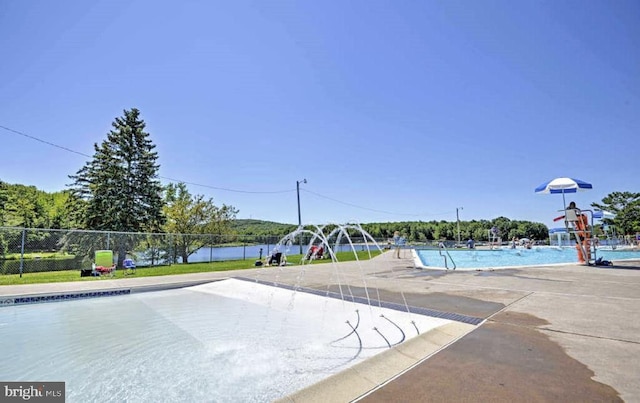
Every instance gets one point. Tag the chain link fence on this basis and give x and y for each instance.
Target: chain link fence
(31, 250)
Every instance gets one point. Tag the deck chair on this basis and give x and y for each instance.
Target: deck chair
(571, 215)
(103, 264)
(129, 266)
(315, 252)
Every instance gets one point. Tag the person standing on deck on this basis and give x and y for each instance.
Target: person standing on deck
(396, 242)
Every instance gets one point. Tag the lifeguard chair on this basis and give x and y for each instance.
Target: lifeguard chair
(578, 224)
(315, 252)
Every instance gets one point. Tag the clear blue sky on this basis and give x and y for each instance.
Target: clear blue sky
(392, 110)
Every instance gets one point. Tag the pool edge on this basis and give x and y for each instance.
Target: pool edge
(358, 381)
(106, 291)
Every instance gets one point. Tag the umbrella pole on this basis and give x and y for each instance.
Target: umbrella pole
(564, 207)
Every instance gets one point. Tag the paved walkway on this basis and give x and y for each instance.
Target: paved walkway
(549, 334)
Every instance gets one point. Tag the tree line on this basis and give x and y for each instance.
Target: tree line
(413, 231)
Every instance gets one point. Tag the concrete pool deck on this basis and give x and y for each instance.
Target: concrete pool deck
(563, 333)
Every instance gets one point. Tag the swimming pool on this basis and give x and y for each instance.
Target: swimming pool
(226, 341)
(506, 257)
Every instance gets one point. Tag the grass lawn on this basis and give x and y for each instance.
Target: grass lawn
(74, 275)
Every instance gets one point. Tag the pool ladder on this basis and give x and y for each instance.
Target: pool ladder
(445, 255)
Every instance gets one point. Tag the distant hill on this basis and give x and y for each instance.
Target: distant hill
(260, 227)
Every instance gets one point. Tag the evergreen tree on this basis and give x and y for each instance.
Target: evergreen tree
(626, 207)
(119, 190)
(120, 184)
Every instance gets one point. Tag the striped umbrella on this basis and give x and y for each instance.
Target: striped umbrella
(563, 185)
(601, 214)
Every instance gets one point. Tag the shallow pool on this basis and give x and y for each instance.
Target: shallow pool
(506, 257)
(227, 341)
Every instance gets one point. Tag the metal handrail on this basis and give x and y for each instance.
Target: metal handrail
(442, 246)
(592, 244)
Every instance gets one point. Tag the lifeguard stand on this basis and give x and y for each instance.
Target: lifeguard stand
(582, 232)
(495, 240)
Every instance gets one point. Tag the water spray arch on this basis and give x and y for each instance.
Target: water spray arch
(331, 241)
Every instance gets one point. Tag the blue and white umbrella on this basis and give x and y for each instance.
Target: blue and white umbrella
(563, 185)
(602, 214)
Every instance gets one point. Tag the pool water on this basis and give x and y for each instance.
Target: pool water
(227, 341)
(506, 257)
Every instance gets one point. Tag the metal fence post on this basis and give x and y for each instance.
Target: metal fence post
(211, 249)
(24, 232)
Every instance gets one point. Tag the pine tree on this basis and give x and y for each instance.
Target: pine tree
(119, 190)
(120, 184)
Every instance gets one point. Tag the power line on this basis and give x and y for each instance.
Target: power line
(44, 141)
(225, 189)
(355, 205)
(161, 177)
(374, 210)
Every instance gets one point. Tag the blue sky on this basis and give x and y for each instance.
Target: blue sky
(392, 110)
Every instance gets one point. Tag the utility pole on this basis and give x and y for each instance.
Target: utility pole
(299, 216)
(458, 221)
